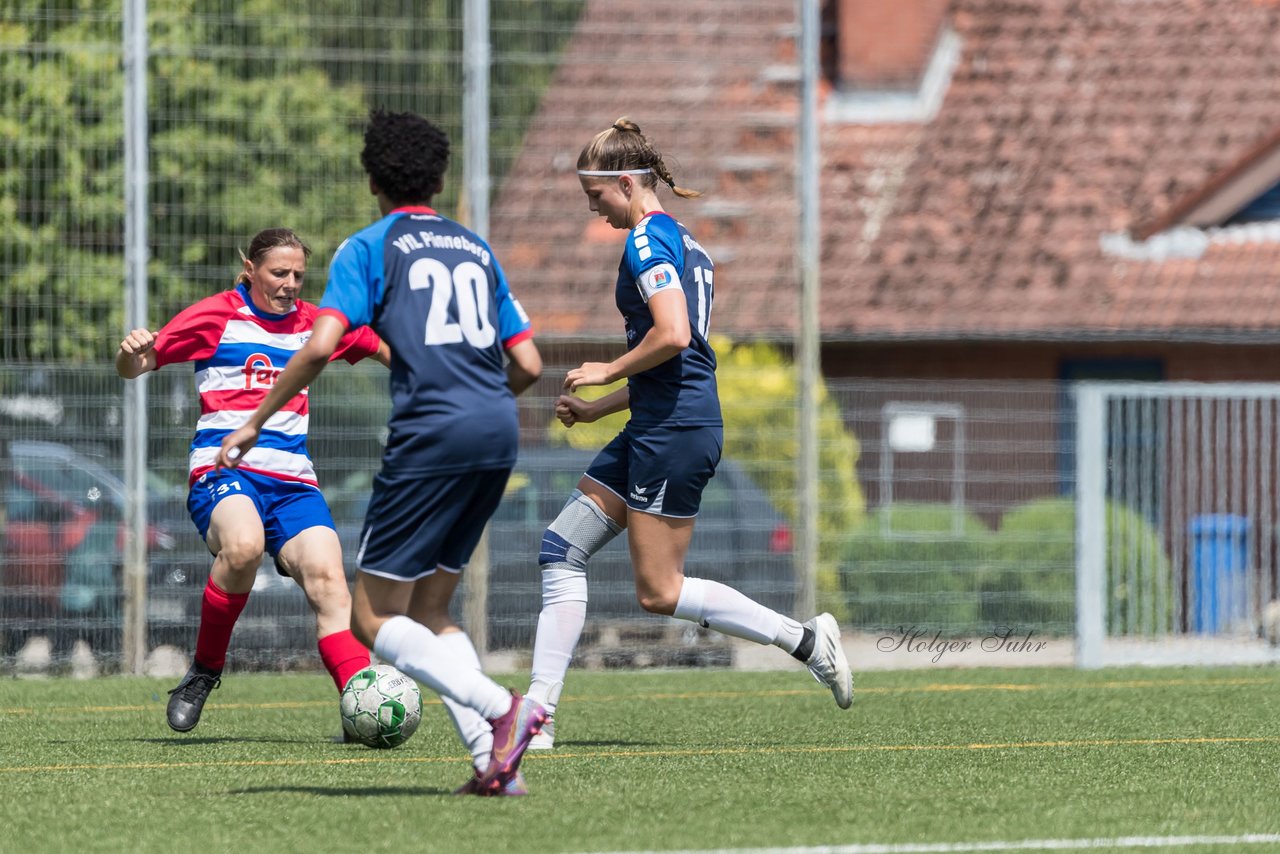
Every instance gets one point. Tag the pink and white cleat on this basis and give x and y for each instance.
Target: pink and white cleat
(511, 735)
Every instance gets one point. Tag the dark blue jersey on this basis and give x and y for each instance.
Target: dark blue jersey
(434, 292)
(680, 392)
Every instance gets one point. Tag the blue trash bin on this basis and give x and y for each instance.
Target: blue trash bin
(1220, 549)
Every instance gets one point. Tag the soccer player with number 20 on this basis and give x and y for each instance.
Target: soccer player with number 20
(461, 348)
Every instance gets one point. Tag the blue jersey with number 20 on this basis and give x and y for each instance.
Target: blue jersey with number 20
(434, 292)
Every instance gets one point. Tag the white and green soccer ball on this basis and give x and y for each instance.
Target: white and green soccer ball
(381, 706)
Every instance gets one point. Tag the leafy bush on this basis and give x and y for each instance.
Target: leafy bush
(1031, 576)
(922, 565)
(915, 565)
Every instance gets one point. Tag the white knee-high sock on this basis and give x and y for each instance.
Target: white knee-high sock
(579, 531)
(473, 729)
(416, 650)
(720, 607)
(564, 613)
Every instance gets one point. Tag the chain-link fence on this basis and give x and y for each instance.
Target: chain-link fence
(943, 504)
(919, 484)
(253, 119)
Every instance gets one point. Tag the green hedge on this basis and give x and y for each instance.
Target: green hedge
(912, 565)
(1032, 576)
(907, 566)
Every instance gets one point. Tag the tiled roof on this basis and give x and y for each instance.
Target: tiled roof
(1066, 121)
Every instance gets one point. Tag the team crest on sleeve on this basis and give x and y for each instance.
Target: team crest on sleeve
(656, 279)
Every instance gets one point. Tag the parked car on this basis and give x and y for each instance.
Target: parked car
(61, 563)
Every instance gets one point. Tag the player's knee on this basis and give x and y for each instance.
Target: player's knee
(657, 601)
(436, 619)
(556, 551)
(579, 531)
(241, 554)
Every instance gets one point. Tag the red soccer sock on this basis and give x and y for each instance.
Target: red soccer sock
(219, 611)
(343, 656)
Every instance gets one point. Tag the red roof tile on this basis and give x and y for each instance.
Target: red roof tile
(1066, 120)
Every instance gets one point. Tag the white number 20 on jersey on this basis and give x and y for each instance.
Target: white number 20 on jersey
(469, 284)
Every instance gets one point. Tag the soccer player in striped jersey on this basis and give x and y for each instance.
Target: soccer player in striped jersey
(461, 348)
(239, 341)
(650, 478)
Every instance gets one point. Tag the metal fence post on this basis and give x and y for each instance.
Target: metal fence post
(475, 198)
(1091, 467)
(134, 642)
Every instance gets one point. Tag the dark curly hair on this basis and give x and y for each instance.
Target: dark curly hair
(405, 155)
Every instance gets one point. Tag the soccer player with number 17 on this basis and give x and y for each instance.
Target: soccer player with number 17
(650, 478)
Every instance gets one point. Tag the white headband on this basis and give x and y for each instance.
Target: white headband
(611, 173)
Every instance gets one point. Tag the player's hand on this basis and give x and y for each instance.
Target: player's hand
(235, 446)
(573, 410)
(588, 373)
(138, 341)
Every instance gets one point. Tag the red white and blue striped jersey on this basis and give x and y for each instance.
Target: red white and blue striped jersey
(238, 351)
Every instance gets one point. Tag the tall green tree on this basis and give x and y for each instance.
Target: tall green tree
(255, 114)
(229, 155)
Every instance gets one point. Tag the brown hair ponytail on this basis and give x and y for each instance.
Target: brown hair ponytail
(623, 148)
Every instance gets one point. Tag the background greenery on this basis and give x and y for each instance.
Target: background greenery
(251, 124)
(934, 566)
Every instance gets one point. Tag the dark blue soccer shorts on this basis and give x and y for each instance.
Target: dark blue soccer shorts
(286, 507)
(416, 524)
(659, 470)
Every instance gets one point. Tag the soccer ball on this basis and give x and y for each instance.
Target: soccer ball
(381, 706)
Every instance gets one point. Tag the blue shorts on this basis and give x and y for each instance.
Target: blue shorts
(416, 524)
(286, 507)
(659, 470)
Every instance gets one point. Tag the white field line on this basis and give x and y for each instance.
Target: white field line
(1114, 843)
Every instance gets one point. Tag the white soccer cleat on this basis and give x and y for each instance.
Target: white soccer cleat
(827, 662)
(545, 740)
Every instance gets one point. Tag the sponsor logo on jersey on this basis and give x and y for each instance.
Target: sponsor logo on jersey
(258, 371)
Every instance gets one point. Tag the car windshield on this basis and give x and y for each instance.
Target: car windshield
(80, 480)
(70, 481)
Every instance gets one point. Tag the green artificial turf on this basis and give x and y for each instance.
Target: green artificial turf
(669, 760)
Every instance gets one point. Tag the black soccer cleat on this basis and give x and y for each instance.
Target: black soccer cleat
(187, 700)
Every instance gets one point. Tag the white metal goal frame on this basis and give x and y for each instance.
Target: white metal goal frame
(1177, 522)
